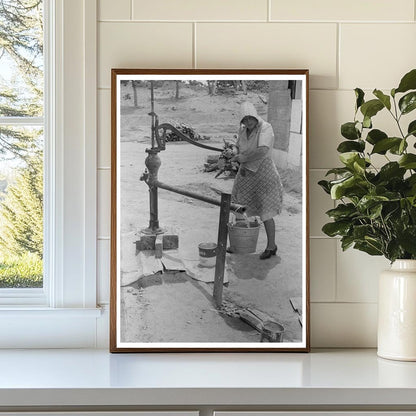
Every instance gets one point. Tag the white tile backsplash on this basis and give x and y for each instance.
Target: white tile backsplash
(369, 10)
(319, 203)
(349, 325)
(323, 269)
(345, 44)
(200, 10)
(142, 45)
(114, 10)
(357, 275)
(389, 53)
(272, 46)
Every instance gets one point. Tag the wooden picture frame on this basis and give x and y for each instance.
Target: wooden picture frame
(183, 159)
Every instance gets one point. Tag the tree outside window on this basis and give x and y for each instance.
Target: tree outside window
(21, 143)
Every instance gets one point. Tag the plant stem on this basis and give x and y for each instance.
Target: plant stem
(397, 118)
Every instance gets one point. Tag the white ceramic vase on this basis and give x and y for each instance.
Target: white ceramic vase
(397, 312)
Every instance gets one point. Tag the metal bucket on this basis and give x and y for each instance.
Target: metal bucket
(207, 254)
(243, 236)
(272, 331)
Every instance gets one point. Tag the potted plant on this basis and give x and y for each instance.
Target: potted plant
(376, 207)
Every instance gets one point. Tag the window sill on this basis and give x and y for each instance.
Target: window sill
(35, 312)
(40, 327)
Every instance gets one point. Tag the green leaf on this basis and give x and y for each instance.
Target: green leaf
(338, 189)
(407, 240)
(338, 171)
(375, 212)
(345, 186)
(368, 248)
(391, 170)
(367, 122)
(411, 180)
(361, 231)
(359, 165)
(393, 92)
(393, 250)
(369, 201)
(371, 108)
(359, 94)
(348, 158)
(375, 136)
(383, 145)
(349, 131)
(385, 99)
(408, 161)
(346, 242)
(349, 146)
(400, 148)
(325, 186)
(408, 82)
(411, 130)
(333, 229)
(408, 102)
(342, 211)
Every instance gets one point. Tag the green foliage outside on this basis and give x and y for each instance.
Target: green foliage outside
(376, 212)
(21, 213)
(21, 271)
(21, 95)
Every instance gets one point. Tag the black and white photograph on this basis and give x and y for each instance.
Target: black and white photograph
(209, 242)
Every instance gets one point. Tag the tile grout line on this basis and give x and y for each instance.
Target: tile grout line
(194, 62)
(344, 303)
(336, 272)
(131, 9)
(225, 21)
(269, 10)
(338, 65)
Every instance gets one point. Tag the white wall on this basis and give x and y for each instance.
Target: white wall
(345, 44)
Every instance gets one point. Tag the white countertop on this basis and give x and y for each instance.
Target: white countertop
(96, 377)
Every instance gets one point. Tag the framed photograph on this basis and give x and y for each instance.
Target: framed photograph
(209, 211)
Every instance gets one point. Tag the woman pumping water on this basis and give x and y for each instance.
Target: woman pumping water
(257, 184)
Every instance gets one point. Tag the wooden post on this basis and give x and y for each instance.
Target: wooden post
(177, 90)
(221, 248)
(279, 113)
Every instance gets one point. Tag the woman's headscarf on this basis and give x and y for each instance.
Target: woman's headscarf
(266, 136)
(248, 109)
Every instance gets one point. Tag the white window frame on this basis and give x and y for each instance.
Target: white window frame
(64, 313)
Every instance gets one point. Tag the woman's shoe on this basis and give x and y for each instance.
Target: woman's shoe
(268, 253)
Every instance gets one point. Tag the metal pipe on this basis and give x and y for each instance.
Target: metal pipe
(221, 248)
(152, 103)
(209, 200)
(152, 163)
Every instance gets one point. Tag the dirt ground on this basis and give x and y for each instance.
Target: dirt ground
(173, 307)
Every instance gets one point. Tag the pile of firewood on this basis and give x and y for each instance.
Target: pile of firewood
(185, 129)
(223, 163)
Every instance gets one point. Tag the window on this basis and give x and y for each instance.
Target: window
(22, 132)
(63, 312)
